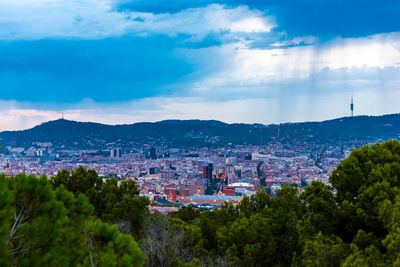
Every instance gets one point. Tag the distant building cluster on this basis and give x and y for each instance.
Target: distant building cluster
(203, 177)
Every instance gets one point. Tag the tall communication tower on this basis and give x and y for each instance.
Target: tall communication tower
(352, 106)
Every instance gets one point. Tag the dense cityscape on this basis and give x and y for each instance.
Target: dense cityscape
(204, 176)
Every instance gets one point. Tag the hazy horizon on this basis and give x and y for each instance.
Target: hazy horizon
(192, 119)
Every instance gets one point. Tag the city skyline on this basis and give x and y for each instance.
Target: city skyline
(118, 62)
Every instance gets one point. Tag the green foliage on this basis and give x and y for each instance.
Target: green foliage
(392, 224)
(324, 251)
(186, 214)
(285, 211)
(113, 203)
(368, 186)
(6, 211)
(364, 181)
(40, 226)
(109, 247)
(210, 221)
(370, 256)
(170, 242)
(259, 231)
(254, 204)
(248, 241)
(321, 210)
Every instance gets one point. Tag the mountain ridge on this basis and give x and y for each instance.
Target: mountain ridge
(202, 131)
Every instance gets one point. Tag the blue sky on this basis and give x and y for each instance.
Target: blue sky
(270, 61)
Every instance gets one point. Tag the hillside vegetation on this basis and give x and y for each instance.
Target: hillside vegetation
(201, 133)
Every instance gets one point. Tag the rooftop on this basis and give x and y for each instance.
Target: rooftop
(213, 197)
(241, 184)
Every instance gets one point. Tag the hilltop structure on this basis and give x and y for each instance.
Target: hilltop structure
(352, 106)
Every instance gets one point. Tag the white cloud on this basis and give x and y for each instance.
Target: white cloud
(35, 19)
(199, 22)
(307, 40)
(252, 67)
(381, 50)
(28, 19)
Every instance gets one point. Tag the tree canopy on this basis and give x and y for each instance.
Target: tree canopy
(355, 221)
(44, 226)
(113, 202)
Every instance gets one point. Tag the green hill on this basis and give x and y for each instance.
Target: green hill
(202, 132)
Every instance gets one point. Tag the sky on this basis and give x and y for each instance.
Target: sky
(250, 61)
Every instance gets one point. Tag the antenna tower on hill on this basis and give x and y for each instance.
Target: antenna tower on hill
(352, 106)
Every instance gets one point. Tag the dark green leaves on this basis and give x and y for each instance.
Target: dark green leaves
(40, 226)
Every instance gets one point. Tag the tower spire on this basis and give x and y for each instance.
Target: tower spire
(352, 106)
